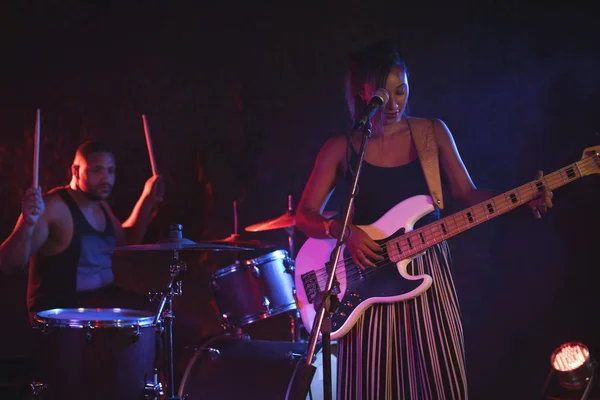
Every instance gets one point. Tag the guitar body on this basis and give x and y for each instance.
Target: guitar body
(357, 289)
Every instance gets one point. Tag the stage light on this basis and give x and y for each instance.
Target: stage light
(573, 365)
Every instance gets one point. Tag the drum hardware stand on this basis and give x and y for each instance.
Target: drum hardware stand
(295, 319)
(327, 300)
(228, 327)
(164, 315)
(290, 231)
(153, 390)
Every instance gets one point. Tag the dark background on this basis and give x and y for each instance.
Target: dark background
(239, 100)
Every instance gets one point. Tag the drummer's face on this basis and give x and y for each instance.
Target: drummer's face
(97, 175)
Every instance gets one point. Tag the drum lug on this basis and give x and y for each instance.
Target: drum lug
(266, 303)
(213, 353)
(160, 329)
(89, 333)
(288, 263)
(256, 272)
(226, 324)
(137, 333)
(214, 285)
(46, 329)
(37, 389)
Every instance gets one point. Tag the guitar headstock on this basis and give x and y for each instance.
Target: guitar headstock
(590, 161)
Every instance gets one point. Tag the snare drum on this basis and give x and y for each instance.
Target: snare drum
(255, 289)
(96, 353)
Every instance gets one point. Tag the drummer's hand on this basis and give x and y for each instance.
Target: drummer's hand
(154, 189)
(32, 206)
(365, 252)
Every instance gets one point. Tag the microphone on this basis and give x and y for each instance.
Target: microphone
(379, 99)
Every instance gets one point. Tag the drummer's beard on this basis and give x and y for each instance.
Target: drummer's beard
(99, 193)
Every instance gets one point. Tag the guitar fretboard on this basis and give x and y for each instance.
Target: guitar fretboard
(415, 242)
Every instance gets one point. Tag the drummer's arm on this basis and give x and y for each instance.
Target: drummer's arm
(136, 225)
(24, 241)
(119, 231)
(144, 210)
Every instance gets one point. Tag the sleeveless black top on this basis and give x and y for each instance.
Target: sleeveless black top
(54, 280)
(381, 188)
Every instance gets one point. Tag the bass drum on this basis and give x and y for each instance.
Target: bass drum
(233, 367)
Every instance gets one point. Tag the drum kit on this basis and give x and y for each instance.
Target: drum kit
(127, 354)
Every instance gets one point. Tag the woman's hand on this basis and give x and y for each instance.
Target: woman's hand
(362, 248)
(543, 202)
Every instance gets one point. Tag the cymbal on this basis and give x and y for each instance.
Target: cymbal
(171, 244)
(235, 240)
(286, 220)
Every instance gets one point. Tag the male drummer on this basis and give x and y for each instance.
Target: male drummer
(69, 233)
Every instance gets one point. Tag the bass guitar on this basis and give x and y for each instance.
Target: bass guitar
(389, 281)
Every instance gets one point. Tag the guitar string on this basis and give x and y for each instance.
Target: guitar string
(356, 273)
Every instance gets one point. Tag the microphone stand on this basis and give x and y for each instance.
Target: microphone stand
(327, 301)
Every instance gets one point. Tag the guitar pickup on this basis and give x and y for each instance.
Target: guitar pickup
(311, 285)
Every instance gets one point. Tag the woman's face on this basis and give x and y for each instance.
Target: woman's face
(397, 87)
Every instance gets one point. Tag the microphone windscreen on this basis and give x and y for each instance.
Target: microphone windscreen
(383, 95)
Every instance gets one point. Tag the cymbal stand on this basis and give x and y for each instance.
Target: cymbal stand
(235, 228)
(291, 231)
(295, 318)
(164, 315)
(235, 218)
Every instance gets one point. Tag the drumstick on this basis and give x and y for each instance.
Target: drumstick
(36, 151)
(149, 145)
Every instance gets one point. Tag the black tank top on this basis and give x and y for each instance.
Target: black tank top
(381, 188)
(53, 279)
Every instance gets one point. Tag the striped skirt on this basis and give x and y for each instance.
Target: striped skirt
(408, 350)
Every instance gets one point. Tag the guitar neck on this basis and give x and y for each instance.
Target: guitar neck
(415, 242)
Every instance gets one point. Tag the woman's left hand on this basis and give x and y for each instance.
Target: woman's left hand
(543, 202)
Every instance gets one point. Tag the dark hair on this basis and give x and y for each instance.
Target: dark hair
(371, 65)
(92, 146)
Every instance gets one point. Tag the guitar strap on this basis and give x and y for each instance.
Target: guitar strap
(428, 152)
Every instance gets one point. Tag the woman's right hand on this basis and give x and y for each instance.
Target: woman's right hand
(362, 248)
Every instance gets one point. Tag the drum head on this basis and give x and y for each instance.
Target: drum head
(95, 317)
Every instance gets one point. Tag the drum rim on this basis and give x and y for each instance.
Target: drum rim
(241, 265)
(251, 318)
(279, 254)
(144, 318)
(227, 270)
